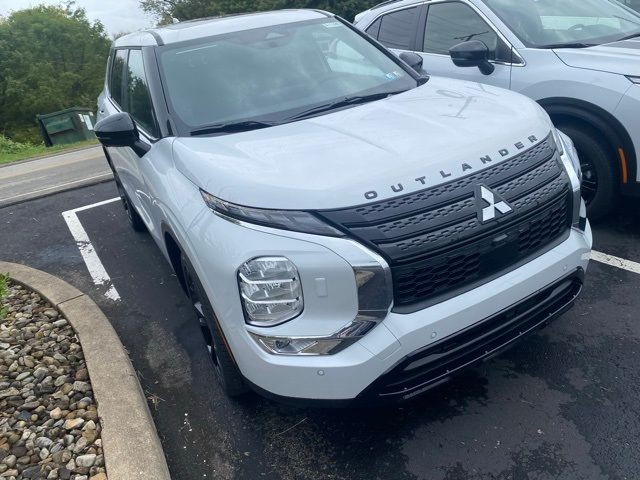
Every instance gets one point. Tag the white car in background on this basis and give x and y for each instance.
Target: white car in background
(579, 59)
(635, 4)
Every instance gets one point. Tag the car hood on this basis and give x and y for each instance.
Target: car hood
(408, 142)
(619, 57)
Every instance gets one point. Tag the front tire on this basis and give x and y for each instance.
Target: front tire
(599, 171)
(224, 366)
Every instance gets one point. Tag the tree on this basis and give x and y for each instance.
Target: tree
(50, 58)
(165, 10)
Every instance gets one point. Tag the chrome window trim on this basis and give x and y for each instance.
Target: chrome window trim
(521, 63)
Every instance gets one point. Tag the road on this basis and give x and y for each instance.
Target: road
(563, 404)
(34, 178)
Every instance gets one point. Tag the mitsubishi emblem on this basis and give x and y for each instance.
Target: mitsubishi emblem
(490, 204)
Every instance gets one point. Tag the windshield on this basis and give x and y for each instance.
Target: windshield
(267, 76)
(557, 23)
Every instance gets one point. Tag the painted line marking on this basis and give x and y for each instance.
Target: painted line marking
(92, 261)
(617, 262)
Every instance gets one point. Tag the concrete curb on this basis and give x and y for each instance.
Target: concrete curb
(82, 183)
(132, 449)
(46, 155)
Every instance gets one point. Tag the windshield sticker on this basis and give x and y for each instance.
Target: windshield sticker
(331, 24)
(393, 75)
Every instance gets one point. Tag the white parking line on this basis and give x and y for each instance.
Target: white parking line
(94, 265)
(617, 262)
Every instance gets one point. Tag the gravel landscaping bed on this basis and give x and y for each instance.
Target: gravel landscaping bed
(49, 426)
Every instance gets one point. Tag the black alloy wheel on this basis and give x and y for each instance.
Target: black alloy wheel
(226, 371)
(600, 184)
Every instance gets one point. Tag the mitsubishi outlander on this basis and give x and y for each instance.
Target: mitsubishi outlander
(347, 228)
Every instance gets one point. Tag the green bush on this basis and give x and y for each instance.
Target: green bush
(25, 134)
(9, 146)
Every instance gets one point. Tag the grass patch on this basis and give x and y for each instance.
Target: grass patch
(4, 291)
(13, 151)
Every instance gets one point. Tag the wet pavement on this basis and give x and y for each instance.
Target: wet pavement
(563, 404)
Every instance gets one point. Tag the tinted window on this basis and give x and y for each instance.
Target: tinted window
(547, 23)
(398, 29)
(138, 96)
(115, 83)
(374, 28)
(449, 24)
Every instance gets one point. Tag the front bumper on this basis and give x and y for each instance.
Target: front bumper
(430, 366)
(397, 360)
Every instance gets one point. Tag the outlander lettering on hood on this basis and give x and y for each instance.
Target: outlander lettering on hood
(463, 168)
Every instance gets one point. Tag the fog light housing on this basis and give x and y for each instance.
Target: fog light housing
(301, 345)
(270, 291)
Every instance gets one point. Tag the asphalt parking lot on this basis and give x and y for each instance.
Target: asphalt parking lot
(564, 404)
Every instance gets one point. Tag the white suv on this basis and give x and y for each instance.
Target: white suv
(579, 59)
(344, 227)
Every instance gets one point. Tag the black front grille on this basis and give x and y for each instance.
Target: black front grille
(435, 243)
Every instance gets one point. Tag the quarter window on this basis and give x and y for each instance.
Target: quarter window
(398, 29)
(138, 95)
(449, 24)
(115, 82)
(374, 28)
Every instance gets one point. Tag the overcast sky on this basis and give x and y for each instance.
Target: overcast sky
(116, 15)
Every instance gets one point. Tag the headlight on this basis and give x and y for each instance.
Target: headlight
(294, 220)
(635, 80)
(568, 149)
(270, 290)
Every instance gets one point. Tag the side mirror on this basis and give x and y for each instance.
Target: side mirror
(473, 53)
(119, 130)
(413, 60)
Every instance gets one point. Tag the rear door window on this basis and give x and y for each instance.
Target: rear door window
(374, 28)
(398, 29)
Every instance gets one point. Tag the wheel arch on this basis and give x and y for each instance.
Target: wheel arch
(562, 109)
(174, 252)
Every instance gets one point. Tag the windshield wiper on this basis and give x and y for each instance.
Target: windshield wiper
(568, 45)
(246, 125)
(629, 37)
(233, 127)
(344, 102)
